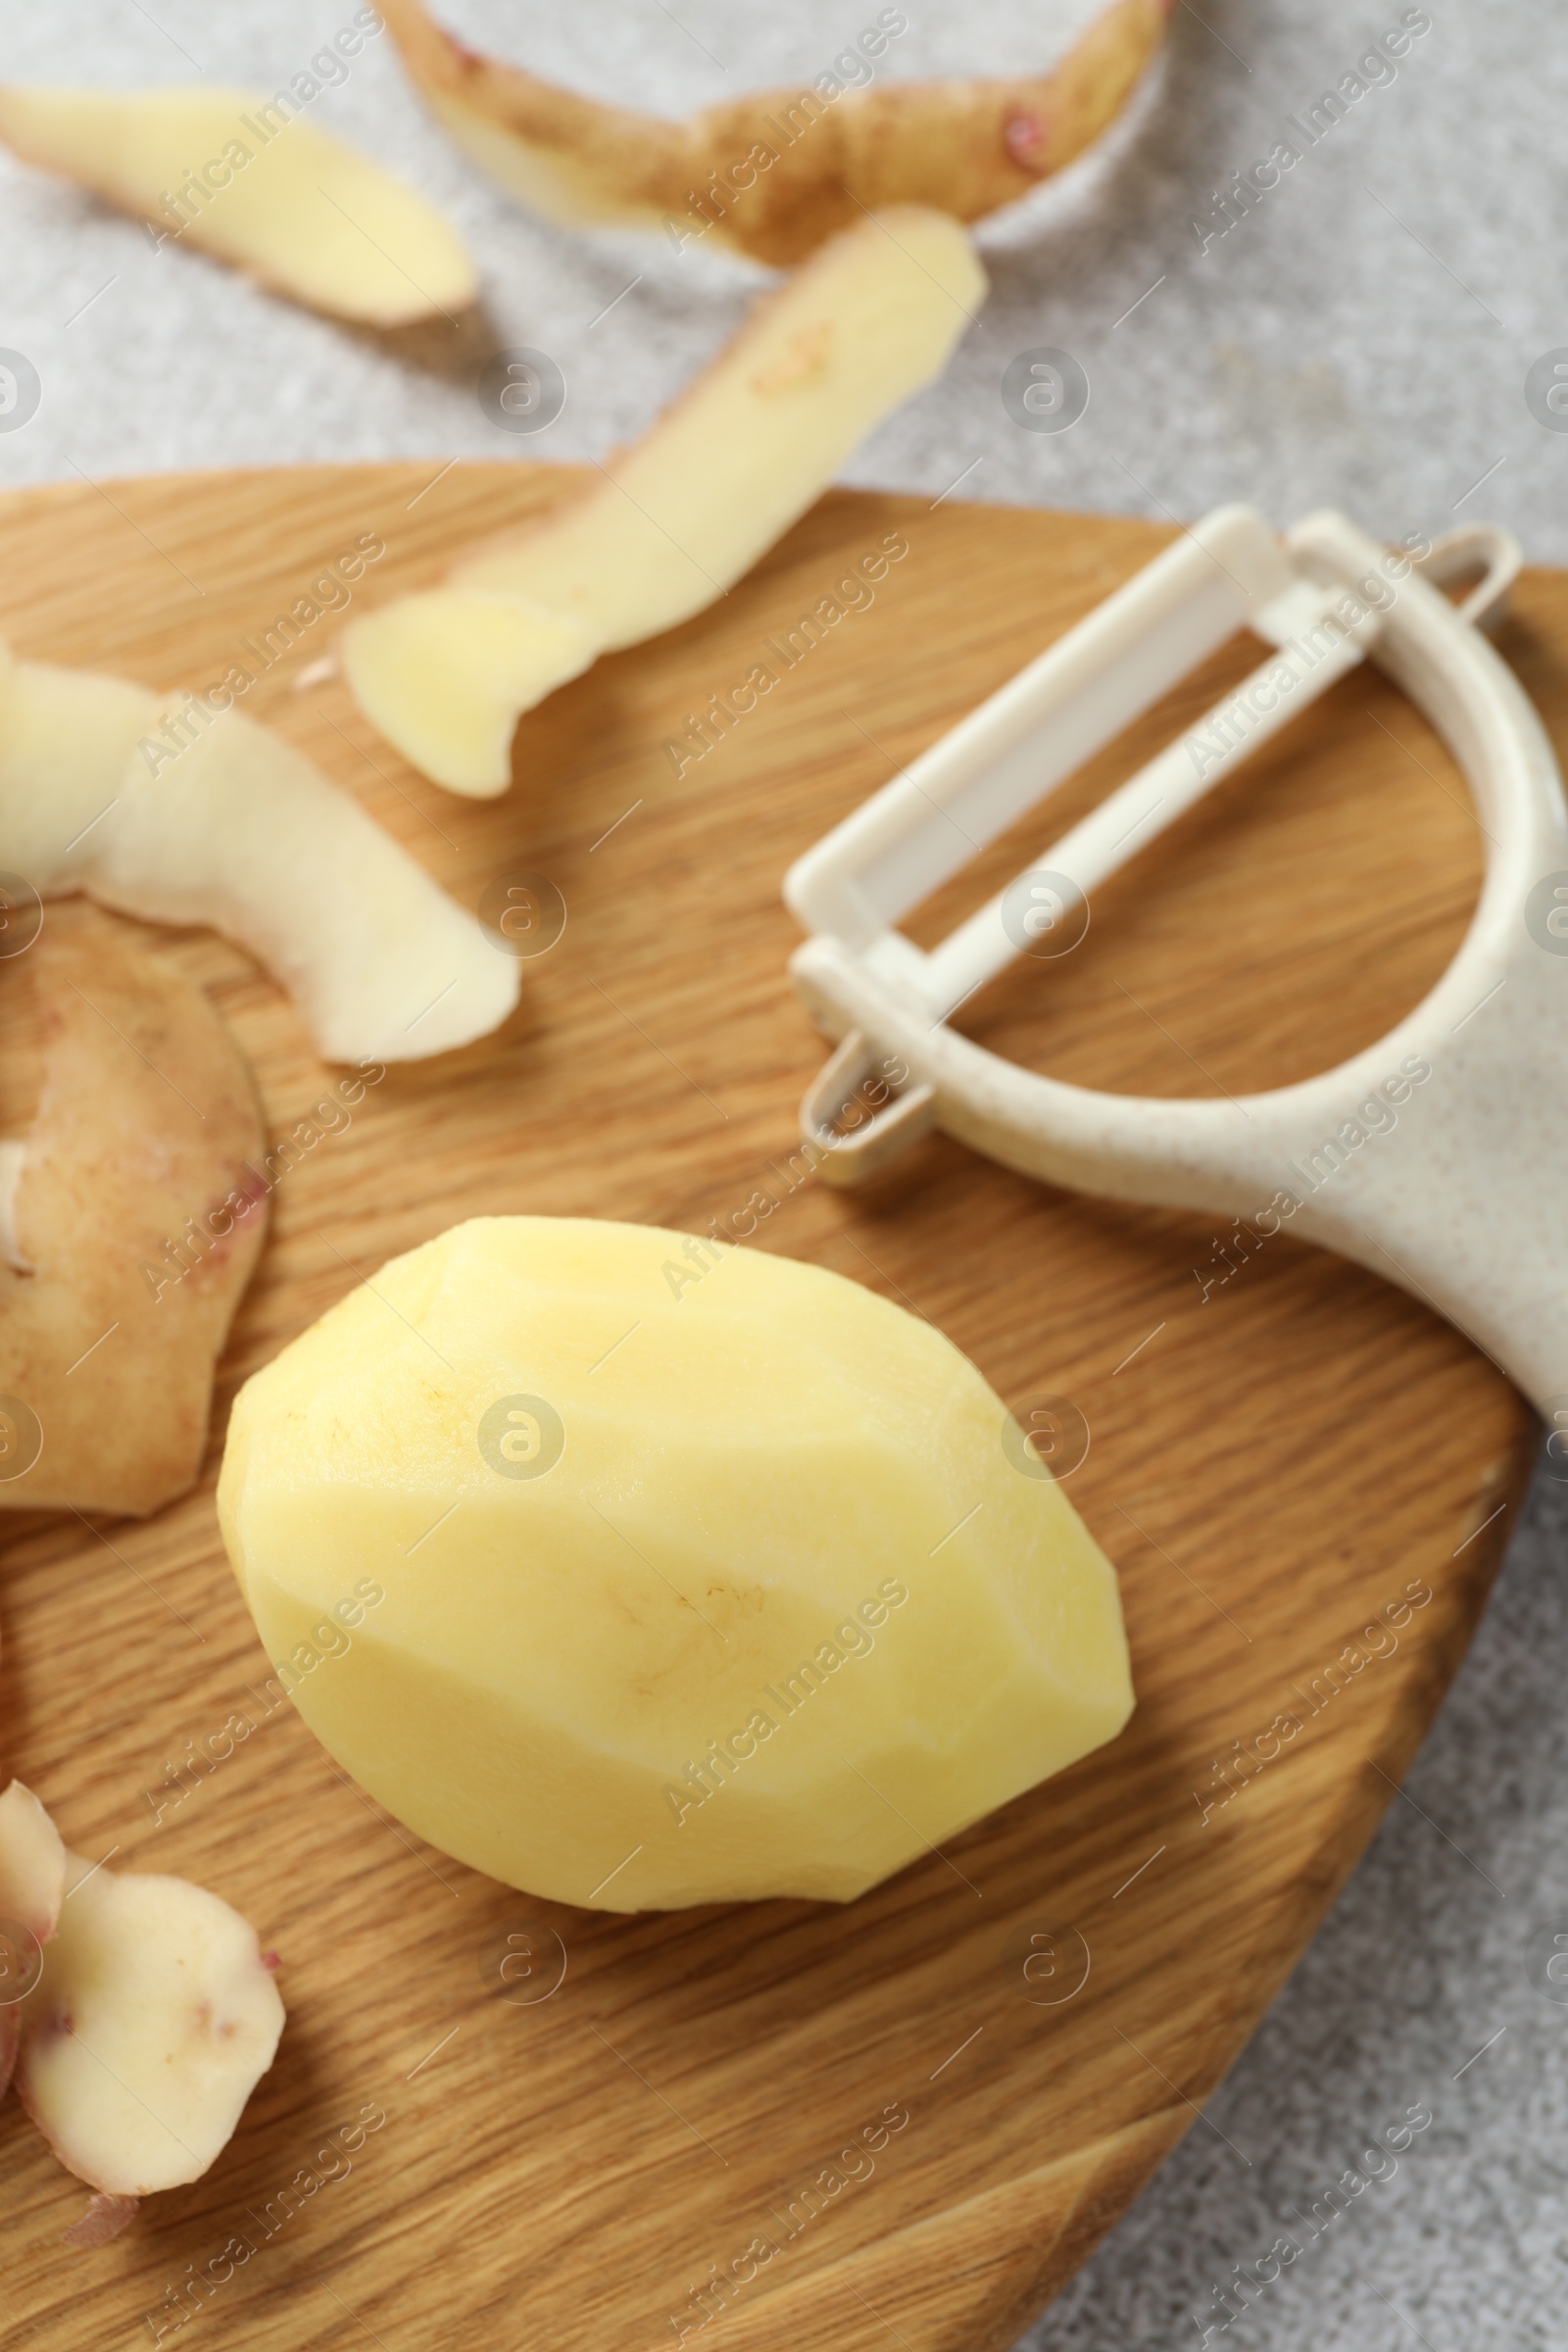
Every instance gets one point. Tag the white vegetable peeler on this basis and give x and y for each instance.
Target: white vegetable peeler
(1437, 1157)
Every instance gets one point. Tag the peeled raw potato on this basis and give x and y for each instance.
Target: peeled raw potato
(154, 2019)
(675, 521)
(240, 174)
(703, 1574)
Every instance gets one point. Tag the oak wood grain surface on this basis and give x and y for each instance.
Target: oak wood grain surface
(1272, 1462)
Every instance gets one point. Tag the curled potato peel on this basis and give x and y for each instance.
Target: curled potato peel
(178, 812)
(774, 173)
(146, 2018)
(675, 521)
(238, 174)
(112, 1317)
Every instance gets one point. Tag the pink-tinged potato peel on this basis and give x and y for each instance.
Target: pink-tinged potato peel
(151, 2025)
(103, 2221)
(145, 2015)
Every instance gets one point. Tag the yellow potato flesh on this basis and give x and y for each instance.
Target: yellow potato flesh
(756, 438)
(587, 1679)
(243, 177)
(443, 675)
(671, 523)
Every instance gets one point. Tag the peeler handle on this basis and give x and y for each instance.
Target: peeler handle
(1463, 1209)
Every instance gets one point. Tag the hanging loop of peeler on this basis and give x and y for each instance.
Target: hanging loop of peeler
(1462, 1208)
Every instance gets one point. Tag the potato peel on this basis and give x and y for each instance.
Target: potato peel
(179, 813)
(228, 170)
(147, 1118)
(153, 2018)
(32, 1886)
(102, 2223)
(964, 147)
(672, 522)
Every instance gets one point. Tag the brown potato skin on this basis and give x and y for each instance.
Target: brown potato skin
(146, 1116)
(963, 147)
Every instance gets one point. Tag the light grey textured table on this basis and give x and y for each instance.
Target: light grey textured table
(1361, 338)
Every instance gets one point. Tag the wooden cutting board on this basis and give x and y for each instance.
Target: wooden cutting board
(1278, 1460)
